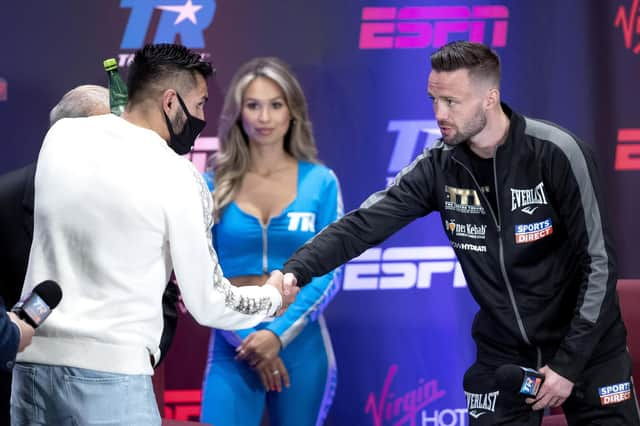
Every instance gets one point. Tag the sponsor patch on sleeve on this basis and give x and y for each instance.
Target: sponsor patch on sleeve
(614, 394)
(529, 232)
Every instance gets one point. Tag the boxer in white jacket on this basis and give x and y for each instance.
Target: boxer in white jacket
(116, 210)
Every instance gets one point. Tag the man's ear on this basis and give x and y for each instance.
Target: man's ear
(492, 99)
(169, 100)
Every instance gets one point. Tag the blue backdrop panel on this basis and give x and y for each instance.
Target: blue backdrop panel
(401, 325)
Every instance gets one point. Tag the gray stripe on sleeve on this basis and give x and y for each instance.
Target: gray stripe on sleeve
(599, 275)
(377, 196)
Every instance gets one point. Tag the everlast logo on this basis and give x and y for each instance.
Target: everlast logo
(481, 403)
(525, 197)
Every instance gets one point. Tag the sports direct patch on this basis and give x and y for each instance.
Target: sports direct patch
(530, 232)
(613, 394)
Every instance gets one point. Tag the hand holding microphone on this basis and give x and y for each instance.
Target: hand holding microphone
(39, 304)
(516, 379)
(543, 388)
(29, 313)
(554, 391)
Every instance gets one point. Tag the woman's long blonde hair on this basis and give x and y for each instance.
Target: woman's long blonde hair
(231, 162)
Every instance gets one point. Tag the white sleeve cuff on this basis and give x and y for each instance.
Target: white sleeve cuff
(276, 298)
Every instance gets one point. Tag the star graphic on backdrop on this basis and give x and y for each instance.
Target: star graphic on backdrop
(186, 11)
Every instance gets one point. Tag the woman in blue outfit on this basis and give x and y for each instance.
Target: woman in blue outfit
(271, 195)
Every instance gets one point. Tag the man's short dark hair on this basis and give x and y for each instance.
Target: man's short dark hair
(157, 67)
(480, 60)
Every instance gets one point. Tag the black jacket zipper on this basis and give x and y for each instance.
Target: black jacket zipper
(497, 220)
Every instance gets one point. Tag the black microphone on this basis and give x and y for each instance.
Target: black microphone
(516, 379)
(39, 304)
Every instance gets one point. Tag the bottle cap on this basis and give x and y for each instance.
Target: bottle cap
(110, 64)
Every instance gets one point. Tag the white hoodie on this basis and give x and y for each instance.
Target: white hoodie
(116, 210)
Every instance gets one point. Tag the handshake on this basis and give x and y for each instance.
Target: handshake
(286, 286)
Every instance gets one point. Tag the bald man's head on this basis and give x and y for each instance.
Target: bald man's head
(82, 101)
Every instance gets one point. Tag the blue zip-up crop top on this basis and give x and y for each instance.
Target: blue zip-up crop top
(247, 247)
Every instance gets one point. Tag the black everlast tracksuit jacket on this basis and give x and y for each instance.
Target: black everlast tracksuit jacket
(541, 266)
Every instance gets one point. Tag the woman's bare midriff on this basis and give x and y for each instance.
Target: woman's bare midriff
(243, 280)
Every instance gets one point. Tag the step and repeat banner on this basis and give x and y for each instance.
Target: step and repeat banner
(401, 324)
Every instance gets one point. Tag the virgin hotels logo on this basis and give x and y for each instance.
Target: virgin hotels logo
(628, 21)
(410, 408)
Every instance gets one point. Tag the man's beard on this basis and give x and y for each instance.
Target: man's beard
(471, 128)
(179, 122)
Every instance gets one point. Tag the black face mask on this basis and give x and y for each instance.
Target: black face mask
(182, 142)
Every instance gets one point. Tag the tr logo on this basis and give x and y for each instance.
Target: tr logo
(188, 19)
(302, 221)
(412, 137)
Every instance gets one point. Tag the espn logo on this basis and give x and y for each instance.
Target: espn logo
(400, 268)
(424, 26)
(628, 150)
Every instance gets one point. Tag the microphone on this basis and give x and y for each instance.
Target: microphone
(39, 304)
(514, 378)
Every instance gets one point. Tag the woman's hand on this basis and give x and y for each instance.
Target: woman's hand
(260, 346)
(273, 374)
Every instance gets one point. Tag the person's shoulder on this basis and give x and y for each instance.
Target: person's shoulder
(77, 129)
(179, 178)
(555, 139)
(107, 120)
(317, 169)
(185, 168)
(546, 130)
(318, 173)
(62, 127)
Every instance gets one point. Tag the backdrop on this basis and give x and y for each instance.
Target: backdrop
(401, 325)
